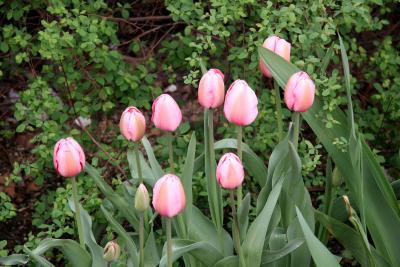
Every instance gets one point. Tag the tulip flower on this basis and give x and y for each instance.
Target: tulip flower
(230, 172)
(111, 251)
(68, 157)
(132, 124)
(278, 46)
(168, 196)
(299, 92)
(241, 103)
(211, 89)
(166, 113)
(142, 198)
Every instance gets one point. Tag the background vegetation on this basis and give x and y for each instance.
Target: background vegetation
(64, 59)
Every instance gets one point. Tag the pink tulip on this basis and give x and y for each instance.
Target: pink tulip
(277, 45)
(241, 103)
(169, 196)
(211, 89)
(299, 92)
(166, 113)
(132, 124)
(68, 157)
(230, 173)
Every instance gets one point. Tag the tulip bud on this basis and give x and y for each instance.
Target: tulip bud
(111, 251)
(336, 177)
(169, 196)
(241, 103)
(230, 172)
(299, 92)
(348, 205)
(211, 89)
(277, 45)
(68, 157)
(142, 198)
(166, 113)
(132, 124)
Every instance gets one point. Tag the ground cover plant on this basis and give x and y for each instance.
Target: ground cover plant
(294, 165)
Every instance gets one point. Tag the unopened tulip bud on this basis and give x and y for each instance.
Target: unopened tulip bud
(166, 113)
(211, 89)
(230, 172)
(336, 177)
(277, 45)
(142, 198)
(169, 196)
(132, 124)
(299, 92)
(240, 105)
(111, 251)
(68, 157)
(348, 205)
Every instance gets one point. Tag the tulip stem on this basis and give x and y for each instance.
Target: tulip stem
(77, 212)
(141, 239)
(239, 152)
(169, 243)
(235, 229)
(279, 119)
(296, 125)
(171, 152)
(139, 168)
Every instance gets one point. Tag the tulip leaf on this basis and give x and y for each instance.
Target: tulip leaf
(151, 255)
(187, 175)
(123, 205)
(382, 214)
(130, 245)
(270, 256)
(202, 251)
(243, 215)
(37, 258)
(147, 173)
(95, 250)
(204, 230)
(230, 261)
(71, 250)
(155, 166)
(321, 255)
(253, 244)
(14, 259)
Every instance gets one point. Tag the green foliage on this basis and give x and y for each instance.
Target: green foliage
(7, 209)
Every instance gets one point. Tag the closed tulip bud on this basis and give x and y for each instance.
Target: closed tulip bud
(132, 124)
(211, 89)
(168, 196)
(68, 157)
(111, 251)
(277, 45)
(230, 172)
(299, 92)
(166, 113)
(142, 198)
(241, 103)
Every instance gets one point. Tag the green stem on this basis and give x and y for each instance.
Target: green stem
(141, 239)
(296, 125)
(239, 153)
(77, 212)
(139, 168)
(171, 152)
(235, 230)
(169, 243)
(279, 119)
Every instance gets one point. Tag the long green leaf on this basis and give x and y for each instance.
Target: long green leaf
(321, 255)
(202, 251)
(37, 258)
(95, 250)
(14, 259)
(123, 205)
(124, 235)
(254, 242)
(243, 216)
(155, 166)
(71, 250)
(147, 173)
(230, 261)
(274, 255)
(151, 255)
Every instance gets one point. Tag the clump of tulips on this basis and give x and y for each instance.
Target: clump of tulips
(240, 106)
